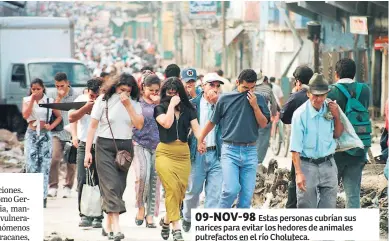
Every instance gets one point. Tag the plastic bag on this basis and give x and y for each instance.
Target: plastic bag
(349, 138)
(90, 198)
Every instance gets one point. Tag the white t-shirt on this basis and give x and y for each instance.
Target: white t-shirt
(39, 113)
(83, 123)
(277, 91)
(205, 115)
(118, 117)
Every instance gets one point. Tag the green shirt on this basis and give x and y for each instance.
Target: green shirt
(341, 100)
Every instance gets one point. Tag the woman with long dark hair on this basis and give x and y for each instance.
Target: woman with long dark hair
(115, 113)
(175, 116)
(145, 141)
(38, 147)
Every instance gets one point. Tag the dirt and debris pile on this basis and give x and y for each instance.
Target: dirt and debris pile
(54, 236)
(11, 150)
(271, 190)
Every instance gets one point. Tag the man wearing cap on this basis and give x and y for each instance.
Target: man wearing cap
(313, 145)
(263, 140)
(189, 77)
(302, 75)
(205, 167)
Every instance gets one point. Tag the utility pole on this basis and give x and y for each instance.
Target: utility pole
(314, 29)
(224, 50)
(152, 14)
(316, 43)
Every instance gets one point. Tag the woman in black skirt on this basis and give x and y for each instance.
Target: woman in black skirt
(124, 113)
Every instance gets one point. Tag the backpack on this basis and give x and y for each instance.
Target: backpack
(358, 115)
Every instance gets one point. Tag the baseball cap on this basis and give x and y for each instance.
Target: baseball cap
(188, 74)
(260, 78)
(212, 77)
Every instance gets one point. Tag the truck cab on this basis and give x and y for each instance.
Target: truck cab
(34, 47)
(23, 73)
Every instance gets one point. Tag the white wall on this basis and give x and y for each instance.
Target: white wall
(279, 49)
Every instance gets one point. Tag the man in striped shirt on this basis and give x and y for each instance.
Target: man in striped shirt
(262, 87)
(64, 94)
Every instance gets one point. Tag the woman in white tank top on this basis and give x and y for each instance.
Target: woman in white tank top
(37, 147)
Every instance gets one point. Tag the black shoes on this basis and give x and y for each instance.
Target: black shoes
(85, 222)
(186, 225)
(90, 222)
(97, 223)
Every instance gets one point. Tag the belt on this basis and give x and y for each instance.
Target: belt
(318, 160)
(84, 144)
(240, 143)
(211, 148)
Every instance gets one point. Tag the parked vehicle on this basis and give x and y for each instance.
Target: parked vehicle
(34, 47)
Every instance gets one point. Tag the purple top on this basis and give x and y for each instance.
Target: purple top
(148, 136)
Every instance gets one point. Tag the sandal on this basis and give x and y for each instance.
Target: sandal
(177, 235)
(150, 225)
(138, 222)
(165, 229)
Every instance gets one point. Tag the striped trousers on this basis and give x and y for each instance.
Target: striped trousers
(148, 185)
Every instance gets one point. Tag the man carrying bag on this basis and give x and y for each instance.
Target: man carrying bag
(87, 179)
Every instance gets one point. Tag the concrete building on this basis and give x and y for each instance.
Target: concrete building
(277, 44)
(357, 30)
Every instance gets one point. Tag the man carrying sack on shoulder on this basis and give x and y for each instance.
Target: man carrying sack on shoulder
(313, 144)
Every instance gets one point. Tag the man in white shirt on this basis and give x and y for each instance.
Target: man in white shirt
(206, 169)
(277, 91)
(80, 120)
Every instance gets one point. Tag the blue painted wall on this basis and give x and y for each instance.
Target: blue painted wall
(270, 14)
(333, 37)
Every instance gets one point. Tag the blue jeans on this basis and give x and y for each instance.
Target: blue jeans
(386, 169)
(320, 178)
(239, 166)
(263, 142)
(206, 168)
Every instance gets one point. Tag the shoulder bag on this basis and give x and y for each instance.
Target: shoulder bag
(123, 158)
(52, 118)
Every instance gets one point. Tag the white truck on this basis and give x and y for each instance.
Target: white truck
(34, 47)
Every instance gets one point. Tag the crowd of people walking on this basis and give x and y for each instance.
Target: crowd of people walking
(189, 139)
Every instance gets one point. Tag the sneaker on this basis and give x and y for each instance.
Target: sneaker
(85, 222)
(66, 192)
(186, 226)
(97, 223)
(52, 192)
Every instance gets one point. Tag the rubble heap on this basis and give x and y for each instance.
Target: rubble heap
(11, 151)
(271, 190)
(54, 236)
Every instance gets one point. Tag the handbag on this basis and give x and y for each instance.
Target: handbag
(70, 153)
(90, 204)
(52, 118)
(123, 158)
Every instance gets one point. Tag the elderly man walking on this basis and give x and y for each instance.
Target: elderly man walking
(313, 145)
